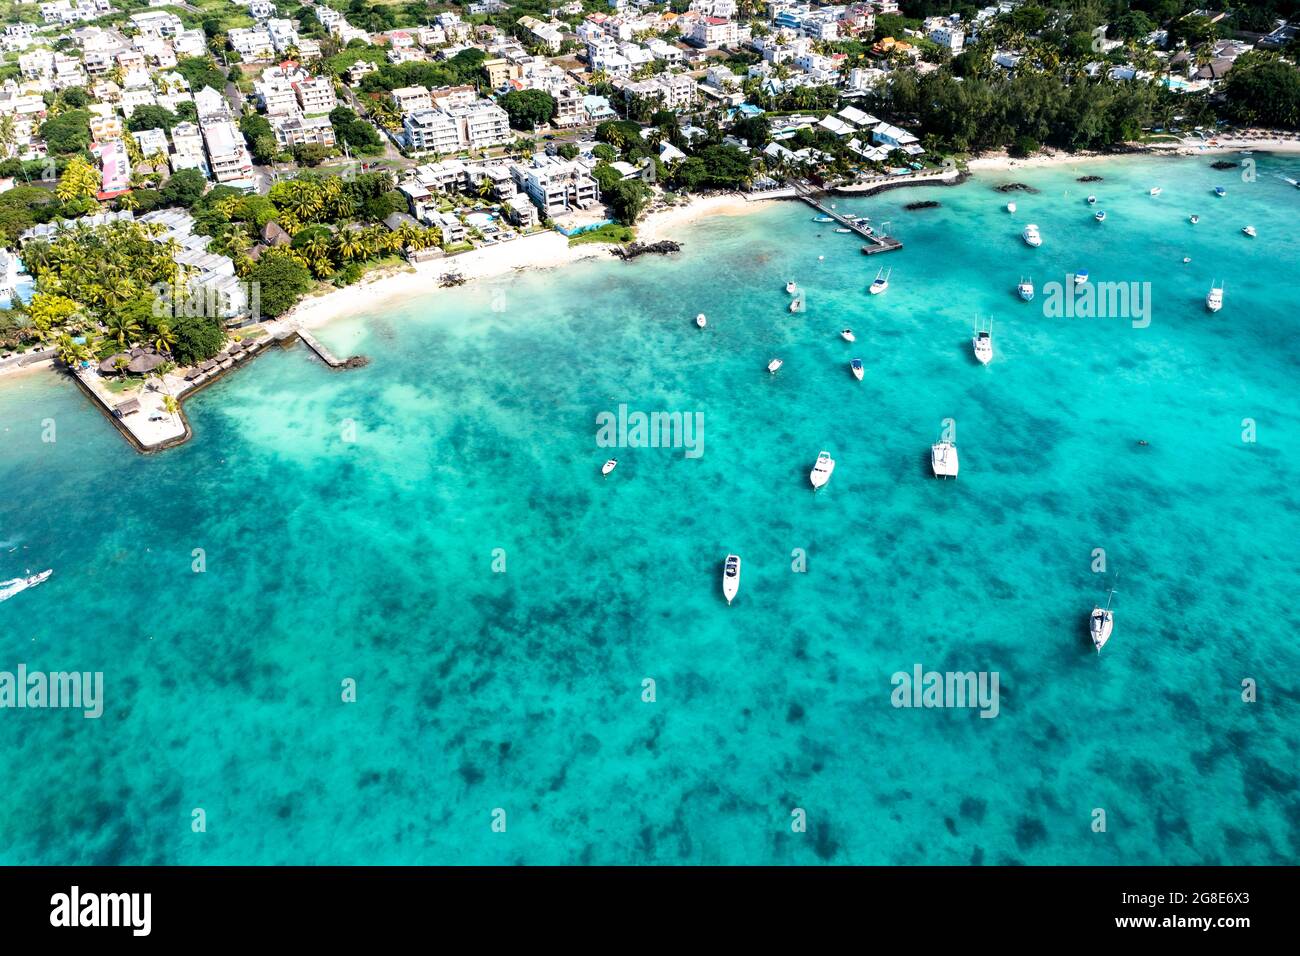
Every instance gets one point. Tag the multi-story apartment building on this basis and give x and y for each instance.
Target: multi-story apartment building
(482, 124)
(411, 99)
(315, 94)
(430, 130)
(114, 167)
(294, 129)
(158, 23)
(228, 157)
(187, 149)
(275, 93)
(556, 186)
(710, 32)
(251, 45)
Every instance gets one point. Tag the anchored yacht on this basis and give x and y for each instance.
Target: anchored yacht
(1026, 290)
(1214, 298)
(773, 365)
(821, 472)
(609, 466)
(1101, 622)
(731, 577)
(1100, 215)
(880, 283)
(855, 367)
(1031, 236)
(943, 459)
(982, 343)
(791, 287)
(1249, 230)
(701, 321)
(848, 336)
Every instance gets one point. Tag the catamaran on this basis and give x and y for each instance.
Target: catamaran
(880, 283)
(773, 365)
(848, 336)
(943, 459)
(855, 367)
(1031, 236)
(1249, 231)
(821, 472)
(609, 466)
(982, 343)
(701, 321)
(1100, 215)
(16, 585)
(1026, 290)
(731, 577)
(1214, 298)
(1101, 622)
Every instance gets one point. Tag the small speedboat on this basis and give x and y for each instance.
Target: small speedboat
(1100, 215)
(1220, 191)
(773, 365)
(1026, 290)
(821, 472)
(1092, 200)
(848, 336)
(609, 466)
(701, 321)
(823, 219)
(855, 367)
(843, 229)
(1193, 219)
(943, 459)
(1249, 231)
(1214, 298)
(17, 585)
(1100, 623)
(1081, 277)
(1155, 191)
(1032, 236)
(982, 343)
(796, 304)
(880, 283)
(791, 287)
(1011, 207)
(731, 577)
(1186, 259)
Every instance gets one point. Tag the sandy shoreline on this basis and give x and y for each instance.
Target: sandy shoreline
(1002, 162)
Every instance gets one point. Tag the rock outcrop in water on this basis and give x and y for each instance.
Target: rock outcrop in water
(634, 249)
(1088, 179)
(1223, 164)
(924, 204)
(356, 361)
(1016, 188)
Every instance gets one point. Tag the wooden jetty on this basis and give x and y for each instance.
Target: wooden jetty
(874, 243)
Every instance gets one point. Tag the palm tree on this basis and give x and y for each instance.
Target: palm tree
(123, 328)
(163, 337)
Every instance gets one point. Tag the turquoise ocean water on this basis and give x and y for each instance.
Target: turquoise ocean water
(475, 430)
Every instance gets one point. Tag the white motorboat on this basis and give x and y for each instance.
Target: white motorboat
(609, 466)
(880, 283)
(1249, 231)
(822, 470)
(1081, 277)
(1011, 207)
(773, 365)
(1186, 259)
(1214, 298)
(1155, 191)
(1100, 215)
(848, 336)
(1220, 191)
(17, 585)
(843, 229)
(1026, 290)
(791, 288)
(855, 367)
(982, 343)
(823, 219)
(1101, 622)
(1092, 200)
(731, 577)
(796, 304)
(1031, 236)
(943, 459)
(1193, 219)
(701, 321)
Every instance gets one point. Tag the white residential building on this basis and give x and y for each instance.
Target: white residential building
(227, 154)
(315, 94)
(430, 130)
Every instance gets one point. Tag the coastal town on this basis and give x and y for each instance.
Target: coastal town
(175, 179)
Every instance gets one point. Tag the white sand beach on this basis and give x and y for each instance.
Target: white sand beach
(1262, 142)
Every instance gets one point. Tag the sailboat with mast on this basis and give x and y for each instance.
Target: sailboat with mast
(1101, 622)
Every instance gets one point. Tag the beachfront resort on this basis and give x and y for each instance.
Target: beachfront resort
(256, 154)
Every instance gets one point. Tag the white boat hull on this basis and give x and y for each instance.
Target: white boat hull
(822, 471)
(609, 466)
(773, 365)
(1100, 623)
(943, 459)
(731, 577)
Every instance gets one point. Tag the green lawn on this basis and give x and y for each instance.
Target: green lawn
(609, 233)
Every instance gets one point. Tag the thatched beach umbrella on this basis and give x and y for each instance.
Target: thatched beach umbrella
(110, 364)
(145, 362)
